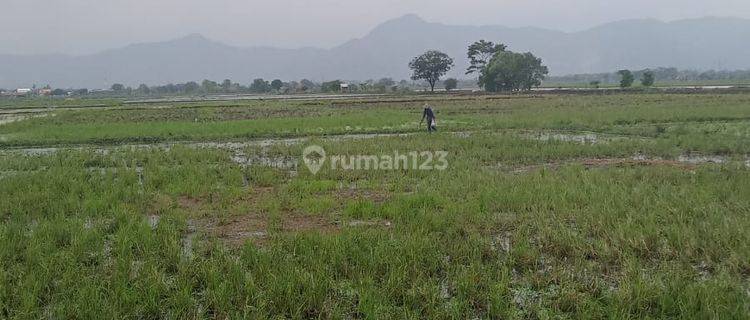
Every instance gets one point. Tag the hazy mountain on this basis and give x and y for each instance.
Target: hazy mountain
(708, 43)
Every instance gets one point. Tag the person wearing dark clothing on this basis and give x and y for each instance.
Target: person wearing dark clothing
(429, 115)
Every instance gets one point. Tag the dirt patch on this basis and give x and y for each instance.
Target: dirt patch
(308, 223)
(601, 163)
(592, 163)
(241, 228)
(189, 203)
(376, 196)
(351, 191)
(256, 227)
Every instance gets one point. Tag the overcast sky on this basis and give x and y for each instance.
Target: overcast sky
(86, 26)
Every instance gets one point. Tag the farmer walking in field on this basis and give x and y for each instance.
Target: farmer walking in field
(430, 116)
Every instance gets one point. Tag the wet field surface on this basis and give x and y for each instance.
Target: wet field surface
(585, 207)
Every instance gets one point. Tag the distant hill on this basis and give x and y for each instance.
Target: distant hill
(708, 43)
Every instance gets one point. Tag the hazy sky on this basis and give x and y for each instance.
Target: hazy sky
(85, 26)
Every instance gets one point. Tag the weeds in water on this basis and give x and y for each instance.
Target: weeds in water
(189, 232)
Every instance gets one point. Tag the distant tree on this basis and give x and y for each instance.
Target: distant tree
(59, 92)
(170, 88)
(430, 66)
(82, 92)
(450, 84)
(647, 79)
(191, 87)
(331, 86)
(143, 89)
(209, 86)
(382, 85)
(260, 86)
(510, 71)
(277, 84)
(386, 82)
(118, 87)
(226, 85)
(626, 78)
(595, 84)
(306, 85)
(480, 53)
(291, 86)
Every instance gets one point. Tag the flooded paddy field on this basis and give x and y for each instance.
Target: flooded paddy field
(596, 206)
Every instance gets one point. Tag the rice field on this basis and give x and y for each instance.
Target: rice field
(628, 206)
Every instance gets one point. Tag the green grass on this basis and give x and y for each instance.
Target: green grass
(516, 227)
(637, 84)
(37, 102)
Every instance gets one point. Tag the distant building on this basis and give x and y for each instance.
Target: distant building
(22, 92)
(344, 87)
(44, 92)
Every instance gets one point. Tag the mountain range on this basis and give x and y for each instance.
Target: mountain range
(697, 44)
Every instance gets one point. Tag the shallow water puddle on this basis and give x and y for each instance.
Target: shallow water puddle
(700, 159)
(187, 243)
(369, 223)
(153, 221)
(274, 162)
(686, 161)
(571, 136)
(589, 138)
(231, 145)
(10, 118)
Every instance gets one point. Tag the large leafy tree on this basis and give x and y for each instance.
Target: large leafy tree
(306, 85)
(260, 86)
(647, 79)
(143, 89)
(226, 85)
(209, 86)
(191, 87)
(277, 84)
(331, 86)
(450, 84)
(511, 71)
(430, 66)
(626, 78)
(480, 53)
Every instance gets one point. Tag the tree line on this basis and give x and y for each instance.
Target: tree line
(496, 68)
(262, 86)
(499, 69)
(659, 74)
